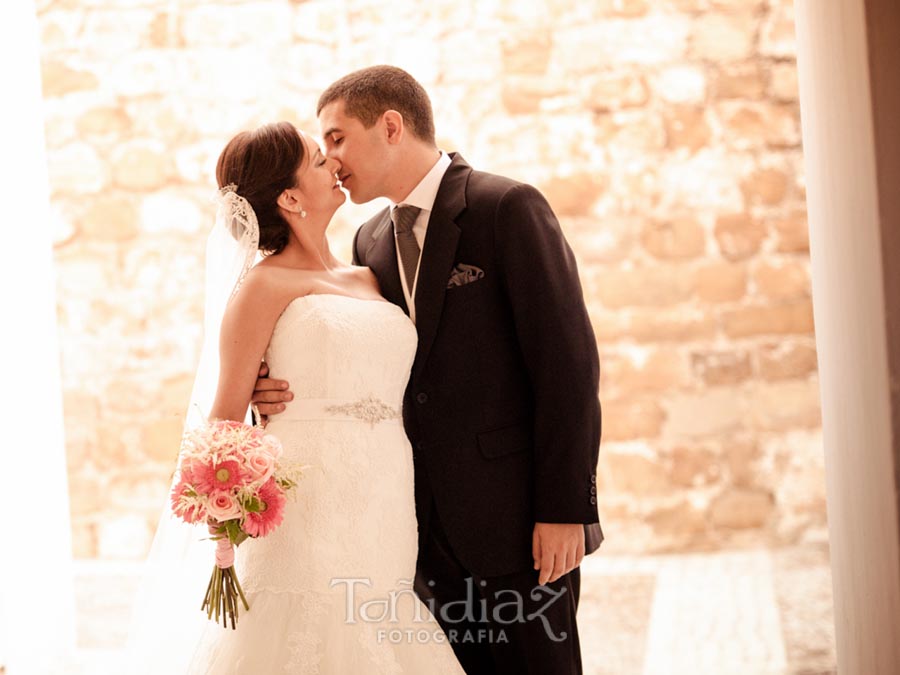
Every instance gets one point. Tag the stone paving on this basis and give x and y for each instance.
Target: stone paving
(756, 612)
(749, 612)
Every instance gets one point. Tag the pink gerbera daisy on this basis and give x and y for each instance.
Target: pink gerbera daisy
(186, 475)
(217, 475)
(262, 523)
(186, 504)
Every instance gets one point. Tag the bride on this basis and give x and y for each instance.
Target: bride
(330, 591)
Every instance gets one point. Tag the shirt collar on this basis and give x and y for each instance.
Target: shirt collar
(424, 194)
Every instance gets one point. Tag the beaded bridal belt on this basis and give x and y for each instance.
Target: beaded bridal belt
(370, 409)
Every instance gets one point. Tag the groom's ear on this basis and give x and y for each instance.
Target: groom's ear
(393, 126)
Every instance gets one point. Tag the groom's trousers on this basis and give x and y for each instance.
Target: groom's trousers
(499, 625)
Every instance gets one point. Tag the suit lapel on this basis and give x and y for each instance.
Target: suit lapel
(381, 256)
(438, 254)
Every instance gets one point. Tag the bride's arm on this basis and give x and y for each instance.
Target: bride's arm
(246, 329)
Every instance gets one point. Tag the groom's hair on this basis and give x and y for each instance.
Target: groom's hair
(369, 92)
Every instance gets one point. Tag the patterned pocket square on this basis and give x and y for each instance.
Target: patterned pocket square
(464, 274)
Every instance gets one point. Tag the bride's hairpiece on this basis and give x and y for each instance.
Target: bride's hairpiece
(236, 212)
(236, 216)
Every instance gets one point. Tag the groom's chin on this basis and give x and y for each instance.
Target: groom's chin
(357, 198)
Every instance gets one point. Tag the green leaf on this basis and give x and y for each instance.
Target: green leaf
(233, 528)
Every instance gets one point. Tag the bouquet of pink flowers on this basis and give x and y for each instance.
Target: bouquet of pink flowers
(230, 479)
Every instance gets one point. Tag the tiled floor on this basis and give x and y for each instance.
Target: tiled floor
(755, 612)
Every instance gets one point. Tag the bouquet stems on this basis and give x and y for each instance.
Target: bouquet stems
(222, 595)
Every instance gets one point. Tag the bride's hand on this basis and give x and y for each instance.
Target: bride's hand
(269, 394)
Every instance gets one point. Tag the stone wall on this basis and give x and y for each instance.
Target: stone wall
(664, 132)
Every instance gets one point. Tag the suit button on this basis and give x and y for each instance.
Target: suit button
(593, 479)
(422, 397)
(593, 490)
(593, 501)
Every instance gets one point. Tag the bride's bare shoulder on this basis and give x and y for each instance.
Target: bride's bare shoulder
(270, 287)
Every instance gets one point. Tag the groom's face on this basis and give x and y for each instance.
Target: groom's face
(360, 151)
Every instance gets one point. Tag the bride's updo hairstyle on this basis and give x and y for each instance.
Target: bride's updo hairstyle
(263, 164)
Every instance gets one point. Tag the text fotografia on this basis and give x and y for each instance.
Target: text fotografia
(467, 636)
(508, 607)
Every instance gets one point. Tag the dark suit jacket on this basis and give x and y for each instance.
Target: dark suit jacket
(502, 409)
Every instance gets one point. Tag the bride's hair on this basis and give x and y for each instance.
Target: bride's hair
(369, 92)
(263, 164)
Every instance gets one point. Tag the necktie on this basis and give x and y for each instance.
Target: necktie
(404, 217)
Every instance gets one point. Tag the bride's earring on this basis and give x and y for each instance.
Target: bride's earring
(302, 213)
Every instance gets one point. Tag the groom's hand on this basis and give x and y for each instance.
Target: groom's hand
(269, 394)
(558, 548)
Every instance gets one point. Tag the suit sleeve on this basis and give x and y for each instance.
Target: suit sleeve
(355, 252)
(558, 344)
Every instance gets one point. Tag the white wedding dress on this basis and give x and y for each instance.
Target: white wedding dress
(349, 536)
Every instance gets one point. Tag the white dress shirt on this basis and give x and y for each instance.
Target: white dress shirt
(422, 196)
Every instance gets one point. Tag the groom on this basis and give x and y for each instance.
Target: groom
(501, 408)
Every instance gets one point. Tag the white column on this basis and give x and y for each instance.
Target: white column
(36, 598)
(846, 226)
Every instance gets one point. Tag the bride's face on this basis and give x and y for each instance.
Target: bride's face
(359, 151)
(317, 180)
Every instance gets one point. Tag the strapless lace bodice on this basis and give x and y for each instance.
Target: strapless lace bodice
(342, 356)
